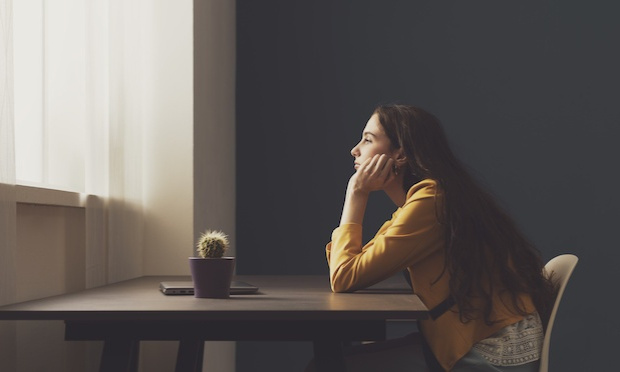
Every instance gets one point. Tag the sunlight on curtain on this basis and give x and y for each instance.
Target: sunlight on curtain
(50, 92)
(127, 111)
(29, 89)
(115, 106)
(96, 170)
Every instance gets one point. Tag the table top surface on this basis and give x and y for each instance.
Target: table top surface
(279, 298)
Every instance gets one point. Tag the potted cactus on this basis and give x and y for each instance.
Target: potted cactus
(211, 271)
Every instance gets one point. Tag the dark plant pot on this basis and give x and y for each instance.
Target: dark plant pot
(212, 276)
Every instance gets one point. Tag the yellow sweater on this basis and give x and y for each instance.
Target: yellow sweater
(413, 239)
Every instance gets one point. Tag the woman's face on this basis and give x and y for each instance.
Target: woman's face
(374, 141)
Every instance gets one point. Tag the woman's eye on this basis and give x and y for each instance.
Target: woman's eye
(367, 140)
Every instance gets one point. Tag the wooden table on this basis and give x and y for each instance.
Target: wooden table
(286, 308)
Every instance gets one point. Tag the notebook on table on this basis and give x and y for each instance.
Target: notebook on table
(187, 288)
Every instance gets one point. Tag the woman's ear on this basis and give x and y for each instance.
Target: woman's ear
(399, 157)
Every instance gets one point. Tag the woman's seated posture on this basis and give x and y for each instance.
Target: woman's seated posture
(467, 261)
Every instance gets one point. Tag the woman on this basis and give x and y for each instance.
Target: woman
(466, 259)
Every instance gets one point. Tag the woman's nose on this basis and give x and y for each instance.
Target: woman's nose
(354, 151)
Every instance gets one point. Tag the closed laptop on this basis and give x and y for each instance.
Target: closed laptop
(187, 288)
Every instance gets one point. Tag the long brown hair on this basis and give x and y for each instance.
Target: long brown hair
(485, 251)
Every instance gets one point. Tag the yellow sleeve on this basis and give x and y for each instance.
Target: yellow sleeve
(412, 234)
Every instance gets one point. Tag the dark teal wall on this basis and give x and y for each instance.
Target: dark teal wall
(528, 92)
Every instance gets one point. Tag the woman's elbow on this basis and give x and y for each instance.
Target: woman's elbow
(341, 285)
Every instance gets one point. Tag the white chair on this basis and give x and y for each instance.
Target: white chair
(562, 267)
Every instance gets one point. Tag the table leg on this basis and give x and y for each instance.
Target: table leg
(328, 356)
(120, 356)
(190, 355)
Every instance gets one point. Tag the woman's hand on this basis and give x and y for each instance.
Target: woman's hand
(373, 174)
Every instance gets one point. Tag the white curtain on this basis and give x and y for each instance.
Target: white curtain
(126, 130)
(115, 113)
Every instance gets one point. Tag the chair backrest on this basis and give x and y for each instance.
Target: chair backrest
(562, 268)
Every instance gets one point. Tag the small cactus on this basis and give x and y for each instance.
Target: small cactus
(212, 244)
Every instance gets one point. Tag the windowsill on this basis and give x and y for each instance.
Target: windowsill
(38, 195)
